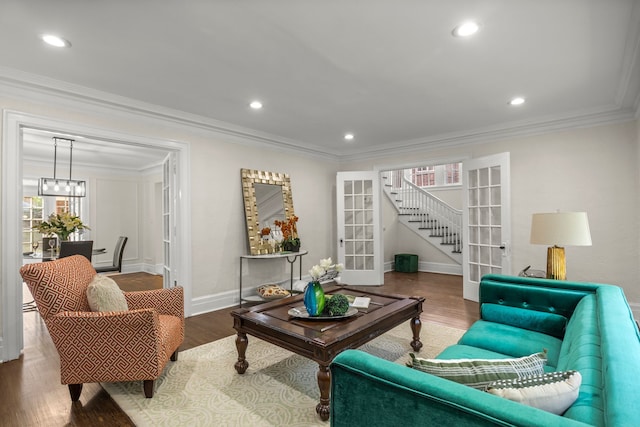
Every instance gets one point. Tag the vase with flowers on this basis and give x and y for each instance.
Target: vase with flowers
(290, 240)
(265, 233)
(314, 299)
(61, 224)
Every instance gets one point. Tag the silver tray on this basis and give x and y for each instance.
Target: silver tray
(301, 313)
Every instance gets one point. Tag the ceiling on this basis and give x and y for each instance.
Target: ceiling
(389, 71)
(109, 156)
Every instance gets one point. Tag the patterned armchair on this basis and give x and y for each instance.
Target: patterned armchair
(133, 345)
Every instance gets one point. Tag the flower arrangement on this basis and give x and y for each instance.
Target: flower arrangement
(289, 231)
(266, 231)
(314, 298)
(324, 271)
(62, 225)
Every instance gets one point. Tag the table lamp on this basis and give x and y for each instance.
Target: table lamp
(559, 229)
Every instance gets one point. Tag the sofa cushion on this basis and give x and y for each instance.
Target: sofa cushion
(104, 294)
(539, 321)
(512, 341)
(552, 392)
(479, 373)
(460, 351)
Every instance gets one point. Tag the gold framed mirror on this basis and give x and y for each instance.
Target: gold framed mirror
(267, 197)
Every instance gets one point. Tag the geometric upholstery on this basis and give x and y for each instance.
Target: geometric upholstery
(128, 345)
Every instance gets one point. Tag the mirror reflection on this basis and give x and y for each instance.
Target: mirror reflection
(267, 198)
(270, 204)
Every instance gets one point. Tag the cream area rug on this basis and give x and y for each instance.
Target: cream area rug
(279, 389)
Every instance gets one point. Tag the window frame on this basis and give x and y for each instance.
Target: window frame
(50, 204)
(439, 175)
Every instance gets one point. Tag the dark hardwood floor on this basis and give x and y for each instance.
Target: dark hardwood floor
(33, 395)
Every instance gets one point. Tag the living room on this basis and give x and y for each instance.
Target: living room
(576, 159)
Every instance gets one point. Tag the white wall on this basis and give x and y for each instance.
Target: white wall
(217, 211)
(219, 232)
(591, 169)
(594, 169)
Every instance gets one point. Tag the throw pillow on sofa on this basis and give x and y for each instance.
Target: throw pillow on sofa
(539, 321)
(479, 373)
(104, 294)
(554, 392)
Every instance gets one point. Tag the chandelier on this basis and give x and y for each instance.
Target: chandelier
(61, 186)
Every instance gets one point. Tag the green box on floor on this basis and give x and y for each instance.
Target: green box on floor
(406, 263)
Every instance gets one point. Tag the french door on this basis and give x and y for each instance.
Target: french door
(486, 220)
(360, 246)
(169, 184)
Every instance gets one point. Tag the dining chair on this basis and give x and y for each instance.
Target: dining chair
(84, 248)
(117, 257)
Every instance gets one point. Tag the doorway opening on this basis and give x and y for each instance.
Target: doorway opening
(12, 174)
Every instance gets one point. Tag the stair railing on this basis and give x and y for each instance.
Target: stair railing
(428, 210)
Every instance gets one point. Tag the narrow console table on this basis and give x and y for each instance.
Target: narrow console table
(291, 258)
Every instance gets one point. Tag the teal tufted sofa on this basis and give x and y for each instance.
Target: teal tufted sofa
(585, 327)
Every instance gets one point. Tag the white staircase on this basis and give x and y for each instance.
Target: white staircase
(425, 214)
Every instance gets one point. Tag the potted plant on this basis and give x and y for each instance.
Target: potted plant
(314, 298)
(61, 224)
(290, 239)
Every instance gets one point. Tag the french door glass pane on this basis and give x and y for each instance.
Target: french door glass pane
(484, 224)
(358, 214)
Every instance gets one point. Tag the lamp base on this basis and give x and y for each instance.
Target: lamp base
(556, 263)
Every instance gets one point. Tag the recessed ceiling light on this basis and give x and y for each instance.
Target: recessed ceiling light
(466, 29)
(348, 137)
(256, 105)
(518, 100)
(55, 41)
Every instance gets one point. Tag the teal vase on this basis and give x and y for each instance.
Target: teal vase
(314, 298)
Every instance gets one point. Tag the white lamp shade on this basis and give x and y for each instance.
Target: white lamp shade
(561, 229)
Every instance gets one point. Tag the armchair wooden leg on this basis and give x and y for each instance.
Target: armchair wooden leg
(74, 391)
(148, 389)
(174, 356)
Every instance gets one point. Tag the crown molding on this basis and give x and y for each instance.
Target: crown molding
(41, 89)
(38, 88)
(80, 168)
(582, 119)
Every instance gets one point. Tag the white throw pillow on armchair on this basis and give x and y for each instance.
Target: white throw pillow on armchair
(104, 294)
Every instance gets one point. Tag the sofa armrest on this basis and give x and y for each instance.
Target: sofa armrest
(90, 344)
(166, 301)
(370, 391)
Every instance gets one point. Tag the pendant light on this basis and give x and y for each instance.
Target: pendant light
(61, 186)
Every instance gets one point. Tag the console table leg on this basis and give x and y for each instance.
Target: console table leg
(241, 344)
(416, 325)
(324, 383)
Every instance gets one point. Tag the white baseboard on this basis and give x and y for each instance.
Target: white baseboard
(225, 299)
(138, 267)
(231, 298)
(214, 302)
(431, 267)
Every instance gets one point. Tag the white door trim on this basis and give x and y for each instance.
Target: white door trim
(11, 187)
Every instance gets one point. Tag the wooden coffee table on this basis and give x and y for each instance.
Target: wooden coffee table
(322, 340)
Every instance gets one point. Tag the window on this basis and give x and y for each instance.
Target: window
(32, 215)
(437, 176)
(424, 177)
(452, 173)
